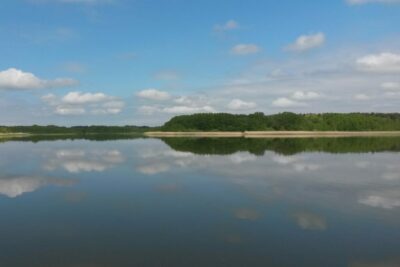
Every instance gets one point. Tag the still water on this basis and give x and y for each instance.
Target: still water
(200, 202)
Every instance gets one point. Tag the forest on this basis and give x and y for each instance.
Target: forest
(76, 130)
(286, 121)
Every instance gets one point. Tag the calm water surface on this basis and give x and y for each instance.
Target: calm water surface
(200, 202)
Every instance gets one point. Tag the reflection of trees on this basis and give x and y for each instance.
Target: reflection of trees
(227, 146)
(56, 137)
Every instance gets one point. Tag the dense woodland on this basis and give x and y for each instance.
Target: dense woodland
(78, 130)
(286, 121)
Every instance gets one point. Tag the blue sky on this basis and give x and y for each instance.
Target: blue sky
(71, 62)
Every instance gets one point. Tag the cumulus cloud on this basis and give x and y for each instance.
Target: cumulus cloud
(188, 109)
(381, 63)
(362, 97)
(307, 42)
(296, 99)
(228, 26)
(14, 79)
(284, 102)
(301, 95)
(150, 110)
(361, 2)
(84, 98)
(78, 103)
(391, 86)
(238, 104)
(154, 94)
(245, 49)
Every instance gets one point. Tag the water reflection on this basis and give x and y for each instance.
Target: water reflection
(226, 146)
(310, 221)
(198, 202)
(16, 186)
(79, 160)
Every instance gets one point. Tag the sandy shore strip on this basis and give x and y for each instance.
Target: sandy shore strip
(276, 134)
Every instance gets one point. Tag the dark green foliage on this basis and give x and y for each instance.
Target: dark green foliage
(286, 121)
(57, 137)
(227, 146)
(76, 130)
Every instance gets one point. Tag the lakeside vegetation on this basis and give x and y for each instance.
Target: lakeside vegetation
(286, 121)
(75, 130)
(224, 122)
(227, 146)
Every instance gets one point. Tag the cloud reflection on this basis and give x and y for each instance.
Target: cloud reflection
(79, 160)
(16, 186)
(310, 221)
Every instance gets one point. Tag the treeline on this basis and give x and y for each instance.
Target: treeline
(78, 130)
(291, 146)
(286, 121)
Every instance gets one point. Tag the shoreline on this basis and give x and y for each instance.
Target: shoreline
(8, 135)
(275, 134)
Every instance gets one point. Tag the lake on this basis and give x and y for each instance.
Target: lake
(200, 202)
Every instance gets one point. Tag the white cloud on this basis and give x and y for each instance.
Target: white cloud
(14, 79)
(62, 110)
(188, 109)
(284, 102)
(238, 104)
(362, 97)
(301, 95)
(361, 2)
(228, 26)
(78, 103)
(391, 86)
(245, 49)
(381, 63)
(307, 42)
(154, 94)
(84, 98)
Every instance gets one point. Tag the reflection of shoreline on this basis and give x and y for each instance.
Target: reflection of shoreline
(276, 134)
(288, 146)
(24, 137)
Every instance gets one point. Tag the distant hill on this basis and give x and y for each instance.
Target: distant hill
(286, 121)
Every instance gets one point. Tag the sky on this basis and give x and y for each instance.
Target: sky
(141, 62)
